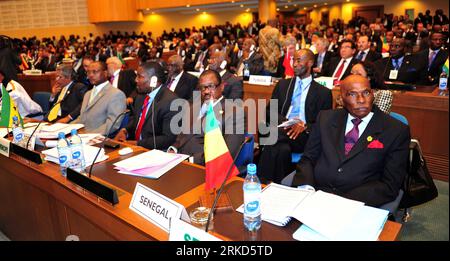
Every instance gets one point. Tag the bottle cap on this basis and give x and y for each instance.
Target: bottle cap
(15, 118)
(73, 132)
(251, 168)
(61, 135)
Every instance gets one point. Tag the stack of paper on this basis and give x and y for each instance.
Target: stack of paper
(89, 155)
(51, 131)
(324, 216)
(151, 164)
(3, 132)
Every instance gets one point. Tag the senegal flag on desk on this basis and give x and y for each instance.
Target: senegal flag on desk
(217, 157)
(8, 109)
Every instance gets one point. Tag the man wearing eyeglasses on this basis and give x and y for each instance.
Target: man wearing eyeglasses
(398, 67)
(191, 140)
(101, 105)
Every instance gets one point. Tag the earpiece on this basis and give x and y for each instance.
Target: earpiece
(223, 64)
(153, 81)
(252, 48)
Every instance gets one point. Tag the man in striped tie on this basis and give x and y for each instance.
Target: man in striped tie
(357, 152)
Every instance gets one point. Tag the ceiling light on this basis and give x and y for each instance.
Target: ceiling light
(295, 5)
(278, 9)
(326, 4)
(197, 9)
(286, 6)
(241, 5)
(347, 1)
(315, 6)
(304, 8)
(188, 5)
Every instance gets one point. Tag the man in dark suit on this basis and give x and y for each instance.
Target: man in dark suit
(149, 123)
(323, 56)
(299, 98)
(67, 95)
(432, 59)
(236, 54)
(124, 80)
(398, 67)
(232, 85)
(179, 81)
(201, 57)
(46, 60)
(340, 67)
(364, 53)
(81, 75)
(251, 57)
(191, 139)
(357, 152)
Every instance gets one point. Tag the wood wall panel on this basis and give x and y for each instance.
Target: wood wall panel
(152, 4)
(113, 11)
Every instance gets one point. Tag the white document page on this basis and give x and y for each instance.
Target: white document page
(326, 213)
(147, 159)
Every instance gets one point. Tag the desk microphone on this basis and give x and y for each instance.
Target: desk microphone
(216, 198)
(102, 145)
(39, 124)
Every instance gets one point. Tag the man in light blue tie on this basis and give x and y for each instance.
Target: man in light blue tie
(299, 101)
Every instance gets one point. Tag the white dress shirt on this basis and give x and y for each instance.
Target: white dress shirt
(25, 105)
(347, 62)
(175, 81)
(115, 82)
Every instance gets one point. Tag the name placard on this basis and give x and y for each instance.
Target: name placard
(182, 231)
(156, 208)
(260, 80)
(4, 146)
(325, 81)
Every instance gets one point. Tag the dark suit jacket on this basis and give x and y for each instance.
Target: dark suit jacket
(192, 143)
(255, 63)
(431, 76)
(232, 86)
(370, 175)
(408, 72)
(71, 104)
(334, 62)
(234, 59)
(318, 98)
(185, 86)
(159, 121)
(325, 63)
(371, 56)
(47, 64)
(127, 83)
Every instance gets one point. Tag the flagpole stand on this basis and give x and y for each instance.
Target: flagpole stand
(223, 203)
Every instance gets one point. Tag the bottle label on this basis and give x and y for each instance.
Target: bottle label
(76, 154)
(62, 159)
(252, 206)
(443, 83)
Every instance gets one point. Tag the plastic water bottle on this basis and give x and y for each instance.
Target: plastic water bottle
(18, 135)
(76, 145)
(246, 72)
(64, 153)
(252, 199)
(443, 84)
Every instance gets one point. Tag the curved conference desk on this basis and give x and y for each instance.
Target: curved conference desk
(40, 204)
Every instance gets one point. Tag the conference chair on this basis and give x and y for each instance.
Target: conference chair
(123, 124)
(41, 98)
(246, 155)
(399, 117)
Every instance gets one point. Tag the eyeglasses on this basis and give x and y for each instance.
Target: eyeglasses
(211, 87)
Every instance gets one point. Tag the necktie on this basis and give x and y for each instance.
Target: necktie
(320, 60)
(396, 64)
(338, 73)
(93, 94)
(352, 136)
(169, 85)
(142, 118)
(56, 110)
(295, 101)
(111, 79)
(361, 56)
(431, 58)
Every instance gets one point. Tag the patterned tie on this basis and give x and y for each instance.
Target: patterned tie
(431, 58)
(352, 136)
(295, 101)
(361, 56)
(170, 83)
(111, 79)
(142, 118)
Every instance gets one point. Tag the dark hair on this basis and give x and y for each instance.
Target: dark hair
(154, 68)
(216, 74)
(352, 43)
(375, 78)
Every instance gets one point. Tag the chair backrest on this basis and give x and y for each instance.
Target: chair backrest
(42, 98)
(246, 155)
(123, 124)
(399, 117)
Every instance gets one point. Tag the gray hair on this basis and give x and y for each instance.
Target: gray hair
(324, 41)
(289, 40)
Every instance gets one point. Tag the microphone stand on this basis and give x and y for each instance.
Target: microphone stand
(31, 136)
(216, 198)
(102, 145)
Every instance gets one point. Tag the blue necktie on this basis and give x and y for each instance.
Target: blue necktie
(361, 56)
(295, 101)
